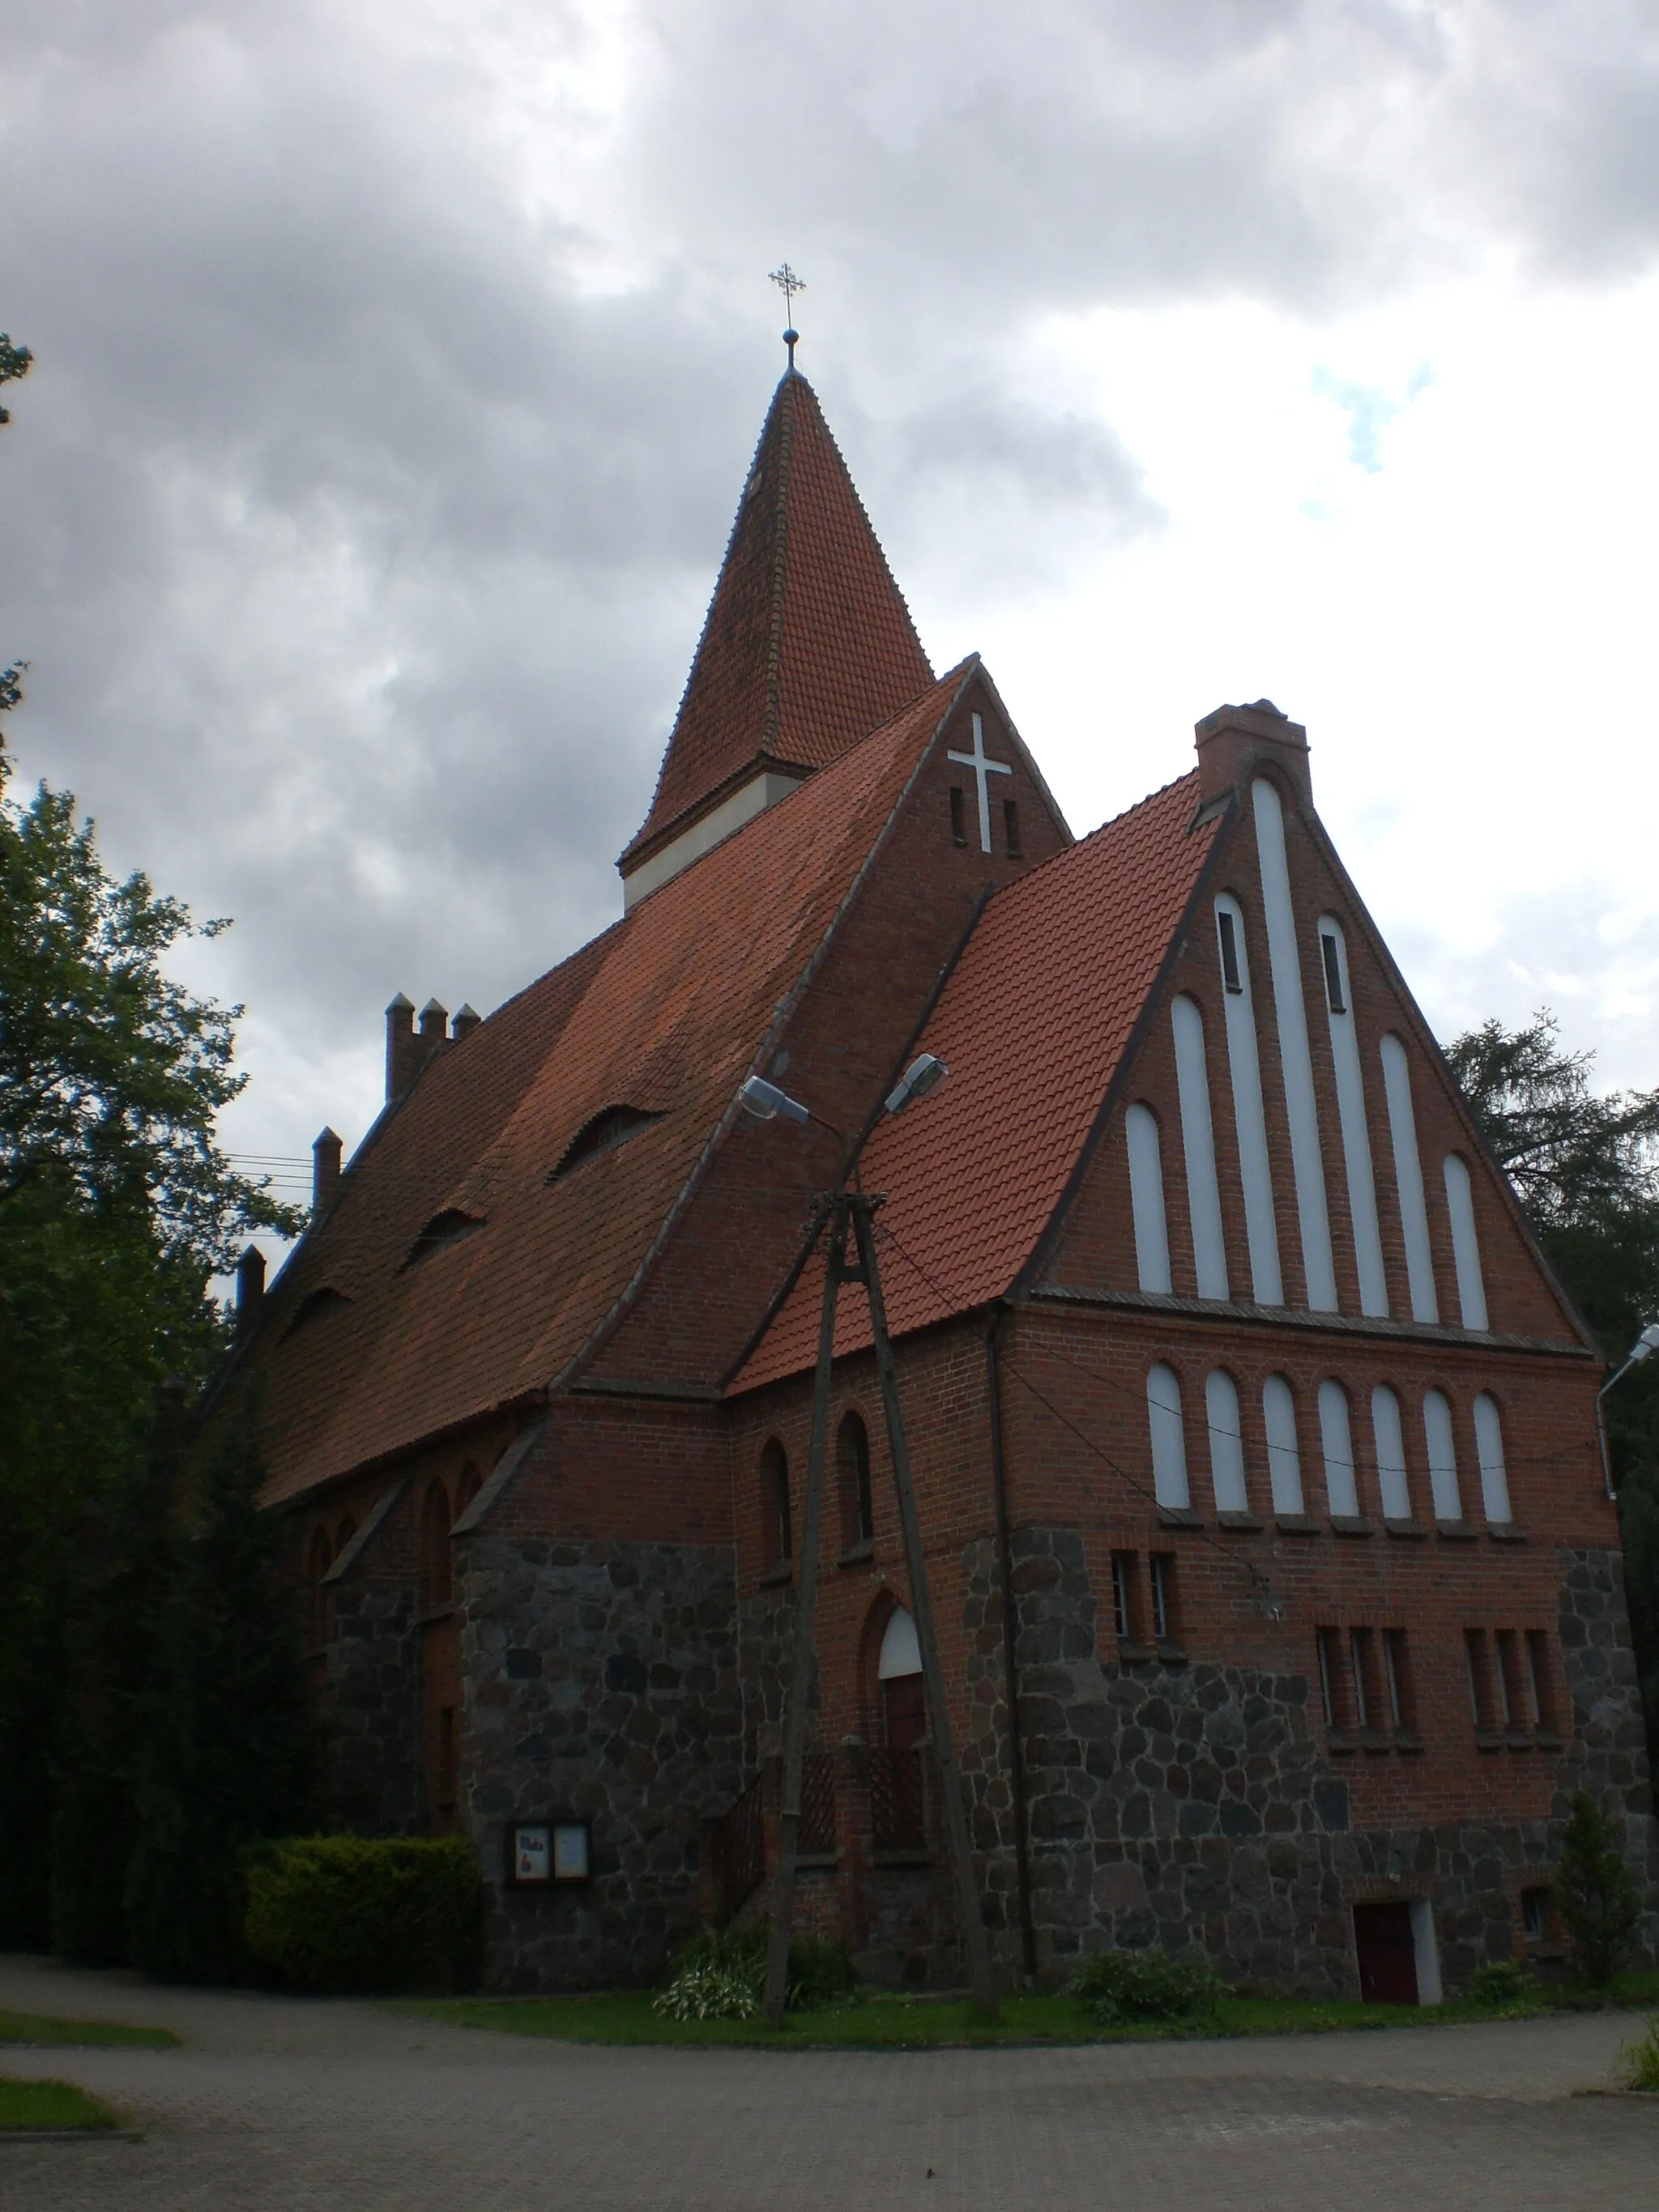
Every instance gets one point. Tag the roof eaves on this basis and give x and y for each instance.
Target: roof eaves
(784, 1012)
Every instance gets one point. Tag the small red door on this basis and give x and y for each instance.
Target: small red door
(905, 1711)
(1388, 1953)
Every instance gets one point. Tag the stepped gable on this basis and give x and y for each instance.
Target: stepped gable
(666, 1012)
(1033, 1024)
(808, 645)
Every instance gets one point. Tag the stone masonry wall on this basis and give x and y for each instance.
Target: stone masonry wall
(375, 1779)
(600, 1683)
(1191, 1805)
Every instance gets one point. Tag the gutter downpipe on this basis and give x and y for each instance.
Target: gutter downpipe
(1006, 1578)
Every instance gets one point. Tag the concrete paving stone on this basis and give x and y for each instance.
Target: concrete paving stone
(282, 2105)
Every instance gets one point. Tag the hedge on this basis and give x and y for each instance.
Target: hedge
(337, 1913)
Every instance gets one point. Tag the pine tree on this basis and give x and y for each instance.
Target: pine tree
(229, 1736)
(1595, 1890)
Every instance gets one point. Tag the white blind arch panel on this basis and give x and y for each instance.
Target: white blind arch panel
(1244, 1067)
(1408, 1179)
(1336, 1443)
(1350, 1113)
(1494, 1475)
(1226, 1443)
(1169, 1485)
(901, 1652)
(1197, 1149)
(1390, 1438)
(1442, 1456)
(1465, 1247)
(1284, 1458)
(1284, 965)
(1146, 1199)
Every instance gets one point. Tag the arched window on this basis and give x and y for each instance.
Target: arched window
(1466, 1245)
(1284, 1458)
(1226, 1443)
(1494, 1475)
(320, 1559)
(1408, 1179)
(1244, 1066)
(775, 1536)
(1442, 1456)
(467, 1488)
(1146, 1199)
(1336, 1443)
(1388, 1437)
(858, 1511)
(1169, 1484)
(434, 1548)
(1352, 1118)
(1198, 1146)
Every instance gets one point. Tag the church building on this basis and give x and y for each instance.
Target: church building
(1276, 1578)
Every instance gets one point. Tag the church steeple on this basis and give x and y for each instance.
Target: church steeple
(807, 648)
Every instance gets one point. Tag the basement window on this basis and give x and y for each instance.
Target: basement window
(602, 1132)
(316, 1305)
(444, 1229)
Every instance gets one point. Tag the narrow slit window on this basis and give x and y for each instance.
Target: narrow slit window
(1534, 1914)
(1123, 1612)
(1359, 1657)
(1540, 1681)
(1011, 827)
(1227, 932)
(1322, 1646)
(1334, 998)
(1508, 1672)
(1482, 1702)
(1397, 1675)
(958, 816)
(1164, 1597)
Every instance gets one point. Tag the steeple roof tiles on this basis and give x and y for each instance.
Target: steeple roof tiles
(1033, 1024)
(808, 644)
(667, 1011)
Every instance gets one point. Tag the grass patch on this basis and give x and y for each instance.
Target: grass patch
(42, 2028)
(1639, 1988)
(51, 2104)
(886, 2022)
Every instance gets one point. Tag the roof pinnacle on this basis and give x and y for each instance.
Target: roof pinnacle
(788, 283)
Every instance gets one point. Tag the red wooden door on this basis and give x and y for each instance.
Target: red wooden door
(905, 1711)
(1388, 1953)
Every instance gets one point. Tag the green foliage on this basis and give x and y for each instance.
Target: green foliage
(227, 1737)
(820, 1972)
(1587, 1169)
(1117, 1987)
(1500, 1985)
(39, 2027)
(1594, 1891)
(16, 361)
(51, 2104)
(1642, 2061)
(704, 1991)
(355, 1912)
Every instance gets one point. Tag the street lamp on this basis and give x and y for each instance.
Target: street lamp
(853, 1212)
(1645, 1345)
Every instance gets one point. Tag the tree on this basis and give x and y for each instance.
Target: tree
(15, 360)
(1595, 1892)
(1587, 1170)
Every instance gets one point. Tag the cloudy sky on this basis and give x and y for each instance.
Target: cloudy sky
(398, 363)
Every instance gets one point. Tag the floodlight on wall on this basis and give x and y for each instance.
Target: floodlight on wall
(766, 1101)
(917, 1080)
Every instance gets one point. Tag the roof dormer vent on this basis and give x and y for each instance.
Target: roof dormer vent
(602, 1132)
(444, 1229)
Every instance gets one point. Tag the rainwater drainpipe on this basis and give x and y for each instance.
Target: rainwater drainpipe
(1009, 1631)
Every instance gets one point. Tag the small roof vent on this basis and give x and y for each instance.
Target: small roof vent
(316, 1305)
(444, 1229)
(602, 1132)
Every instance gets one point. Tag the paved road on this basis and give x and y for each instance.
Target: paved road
(281, 2105)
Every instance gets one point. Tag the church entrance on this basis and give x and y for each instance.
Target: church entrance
(895, 1780)
(1388, 1953)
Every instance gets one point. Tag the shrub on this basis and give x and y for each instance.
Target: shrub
(354, 1912)
(1594, 1889)
(723, 1964)
(1118, 1987)
(1498, 1984)
(1642, 2061)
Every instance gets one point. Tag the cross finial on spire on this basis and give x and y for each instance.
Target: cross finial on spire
(788, 283)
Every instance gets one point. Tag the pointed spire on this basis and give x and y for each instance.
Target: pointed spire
(807, 647)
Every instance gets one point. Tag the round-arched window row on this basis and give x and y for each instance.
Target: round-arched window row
(1225, 1438)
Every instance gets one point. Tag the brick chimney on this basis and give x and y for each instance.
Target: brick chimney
(1235, 741)
(465, 1022)
(249, 1289)
(399, 1045)
(325, 1154)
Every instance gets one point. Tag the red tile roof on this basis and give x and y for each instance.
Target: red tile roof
(808, 644)
(1032, 1025)
(665, 1011)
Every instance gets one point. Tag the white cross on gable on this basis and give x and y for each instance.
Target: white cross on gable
(984, 769)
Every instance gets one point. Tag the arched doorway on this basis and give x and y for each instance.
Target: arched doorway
(898, 1671)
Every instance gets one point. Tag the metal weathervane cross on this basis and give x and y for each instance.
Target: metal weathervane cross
(984, 769)
(788, 283)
